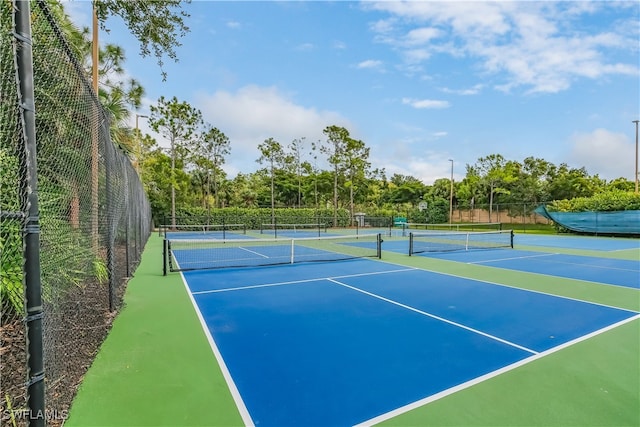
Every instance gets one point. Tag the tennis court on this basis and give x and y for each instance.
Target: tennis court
(359, 341)
(347, 338)
(611, 271)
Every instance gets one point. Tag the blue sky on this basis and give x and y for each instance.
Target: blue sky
(418, 82)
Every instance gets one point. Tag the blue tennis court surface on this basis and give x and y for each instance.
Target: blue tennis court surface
(340, 343)
(578, 242)
(609, 271)
(617, 272)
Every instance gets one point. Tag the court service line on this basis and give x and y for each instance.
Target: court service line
(295, 282)
(485, 377)
(510, 258)
(253, 252)
(233, 389)
(433, 316)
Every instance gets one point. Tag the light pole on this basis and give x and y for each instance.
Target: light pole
(451, 194)
(138, 148)
(636, 122)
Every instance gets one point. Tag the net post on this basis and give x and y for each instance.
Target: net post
(512, 235)
(379, 245)
(275, 227)
(292, 250)
(410, 243)
(466, 243)
(224, 231)
(164, 256)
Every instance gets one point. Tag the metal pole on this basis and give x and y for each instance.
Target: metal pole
(138, 144)
(636, 176)
(31, 230)
(451, 194)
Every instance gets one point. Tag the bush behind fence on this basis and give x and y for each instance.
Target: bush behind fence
(93, 212)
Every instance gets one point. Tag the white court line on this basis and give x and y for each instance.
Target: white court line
(433, 316)
(470, 383)
(253, 252)
(233, 389)
(295, 282)
(510, 258)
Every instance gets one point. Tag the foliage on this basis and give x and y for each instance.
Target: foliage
(253, 218)
(11, 260)
(156, 24)
(606, 201)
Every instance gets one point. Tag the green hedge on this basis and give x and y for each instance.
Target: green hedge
(254, 217)
(608, 201)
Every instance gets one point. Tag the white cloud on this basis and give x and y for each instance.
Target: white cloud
(470, 91)
(305, 47)
(233, 24)
(427, 167)
(533, 45)
(421, 36)
(340, 45)
(370, 64)
(426, 103)
(608, 154)
(254, 113)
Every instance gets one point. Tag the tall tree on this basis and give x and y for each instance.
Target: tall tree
(356, 164)
(272, 153)
(494, 175)
(295, 149)
(213, 145)
(177, 121)
(334, 150)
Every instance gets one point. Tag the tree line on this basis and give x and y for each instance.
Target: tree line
(189, 175)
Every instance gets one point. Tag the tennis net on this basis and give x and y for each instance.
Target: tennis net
(200, 254)
(456, 227)
(456, 241)
(293, 229)
(202, 231)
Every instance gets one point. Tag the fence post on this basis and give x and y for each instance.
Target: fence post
(31, 230)
(111, 220)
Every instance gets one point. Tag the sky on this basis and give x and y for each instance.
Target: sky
(419, 82)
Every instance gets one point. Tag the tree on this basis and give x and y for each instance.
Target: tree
(157, 25)
(334, 149)
(212, 145)
(356, 164)
(568, 183)
(493, 173)
(296, 147)
(272, 153)
(178, 122)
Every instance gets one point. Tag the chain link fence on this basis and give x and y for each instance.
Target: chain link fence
(94, 218)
